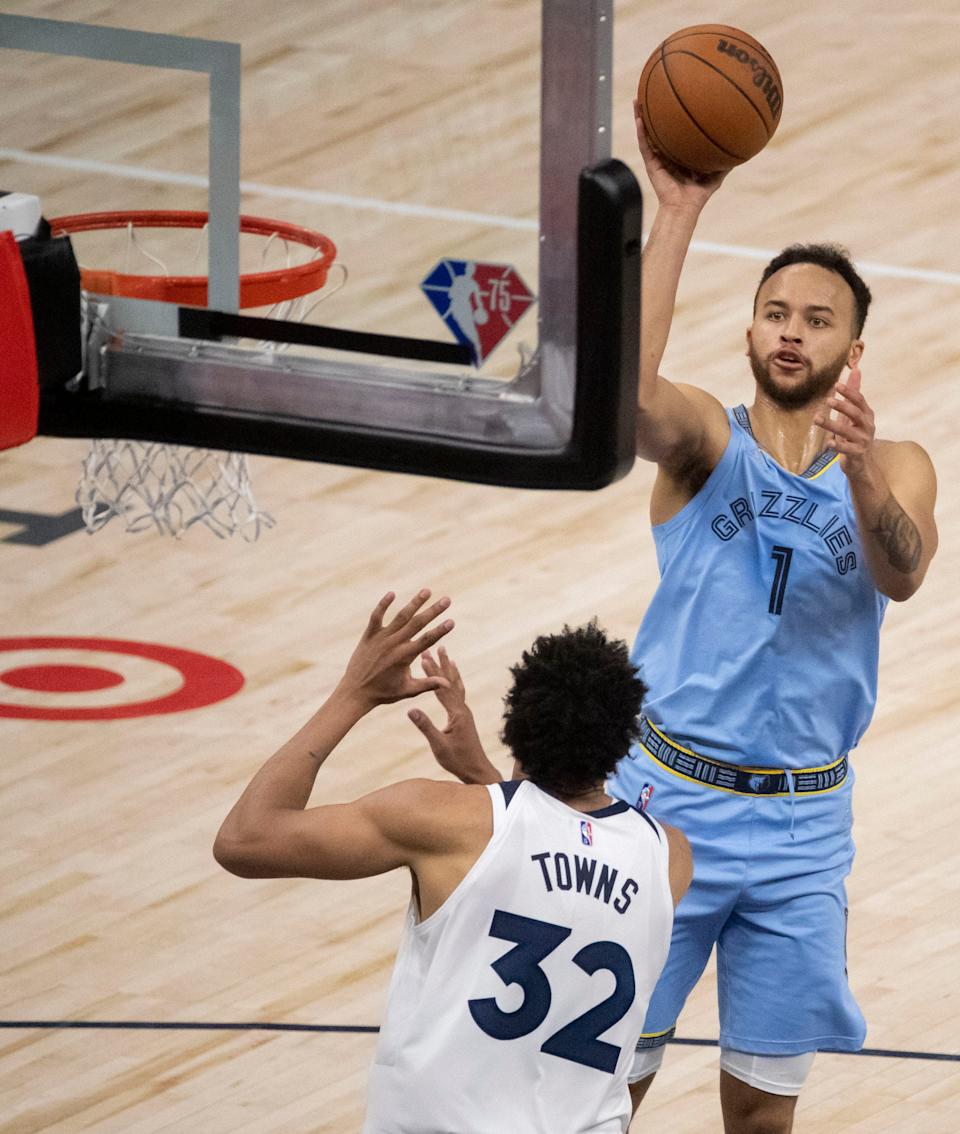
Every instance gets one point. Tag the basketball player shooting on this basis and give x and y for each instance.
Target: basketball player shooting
(782, 531)
(534, 886)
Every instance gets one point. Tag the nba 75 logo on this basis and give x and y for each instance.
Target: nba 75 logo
(480, 303)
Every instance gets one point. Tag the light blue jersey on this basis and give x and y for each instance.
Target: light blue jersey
(760, 649)
(760, 646)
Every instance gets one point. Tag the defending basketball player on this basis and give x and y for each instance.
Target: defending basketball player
(541, 909)
(782, 531)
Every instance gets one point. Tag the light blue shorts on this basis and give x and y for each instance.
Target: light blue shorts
(768, 890)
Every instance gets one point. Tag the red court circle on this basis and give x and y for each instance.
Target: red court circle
(61, 678)
(206, 680)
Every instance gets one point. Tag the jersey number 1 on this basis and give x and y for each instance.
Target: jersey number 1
(783, 556)
(578, 1041)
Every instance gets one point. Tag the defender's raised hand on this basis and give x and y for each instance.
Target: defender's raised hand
(457, 748)
(378, 672)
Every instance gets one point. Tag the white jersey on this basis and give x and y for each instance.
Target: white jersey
(516, 1006)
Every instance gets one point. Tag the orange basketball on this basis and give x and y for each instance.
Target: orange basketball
(710, 97)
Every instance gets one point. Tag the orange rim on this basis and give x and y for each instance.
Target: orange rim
(257, 289)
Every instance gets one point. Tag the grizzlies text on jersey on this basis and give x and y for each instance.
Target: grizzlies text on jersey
(760, 645)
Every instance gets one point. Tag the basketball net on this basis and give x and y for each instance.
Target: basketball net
(171, 488)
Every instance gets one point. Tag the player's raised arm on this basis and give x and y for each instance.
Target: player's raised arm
(269, 832)
(675, 424)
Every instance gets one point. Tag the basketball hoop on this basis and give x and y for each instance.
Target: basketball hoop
(153, 485)
(257, 289)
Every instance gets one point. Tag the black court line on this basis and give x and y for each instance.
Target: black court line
(255, 1026)
(187, 1026)
(876, 1052)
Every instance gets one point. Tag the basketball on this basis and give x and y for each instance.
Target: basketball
(710, 97)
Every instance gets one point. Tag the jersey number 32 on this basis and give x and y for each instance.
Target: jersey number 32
(578, 1041)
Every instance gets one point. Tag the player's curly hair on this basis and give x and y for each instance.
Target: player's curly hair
(571, 713)
(833, 257)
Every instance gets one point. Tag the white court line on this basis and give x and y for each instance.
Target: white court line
(432, 212)
(312, 196)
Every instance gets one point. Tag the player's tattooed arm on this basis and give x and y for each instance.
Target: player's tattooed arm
(894, 489)
(894, 498)
(898, 536)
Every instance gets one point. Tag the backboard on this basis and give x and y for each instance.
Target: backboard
(562, 416)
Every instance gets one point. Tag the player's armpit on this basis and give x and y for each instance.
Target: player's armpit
(679, 426)
(395, 826)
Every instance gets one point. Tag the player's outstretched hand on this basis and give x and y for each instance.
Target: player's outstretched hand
(673, 185)
(851, 425)
(378, 672)
(457, 748)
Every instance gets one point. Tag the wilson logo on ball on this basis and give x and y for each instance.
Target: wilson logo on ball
(761, 77)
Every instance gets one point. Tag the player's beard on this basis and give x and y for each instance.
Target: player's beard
(817, 385)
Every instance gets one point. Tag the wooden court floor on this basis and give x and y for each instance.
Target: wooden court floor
(113, 911)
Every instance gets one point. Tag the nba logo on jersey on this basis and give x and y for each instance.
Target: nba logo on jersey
(479, 302)
(586, 833)
(645, 793)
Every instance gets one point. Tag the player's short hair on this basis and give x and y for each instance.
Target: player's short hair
(571, 713)
(833, 257)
